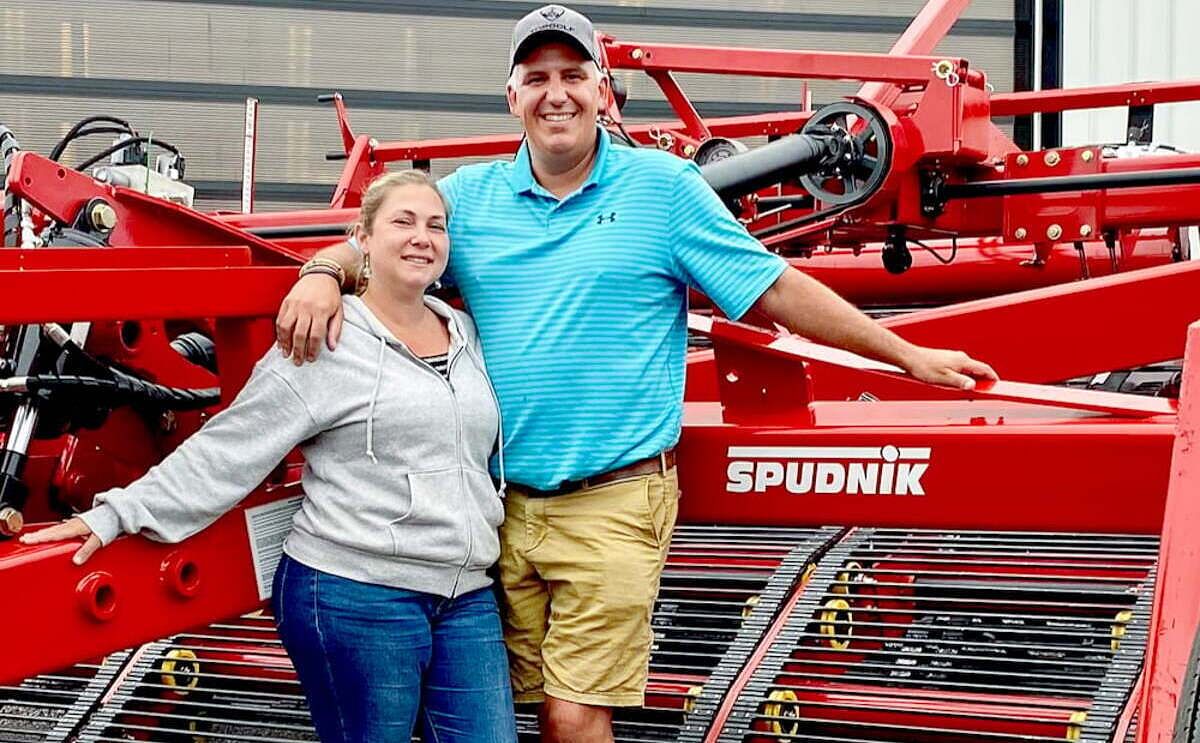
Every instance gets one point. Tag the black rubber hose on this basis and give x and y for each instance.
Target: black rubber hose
(123, 389)
(198, 349)
(61, 147)
(122, 145)
(71, 134)
(10, 206)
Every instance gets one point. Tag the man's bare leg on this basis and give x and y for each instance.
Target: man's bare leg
(570, 722)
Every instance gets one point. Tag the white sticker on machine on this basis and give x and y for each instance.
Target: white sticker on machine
(267, 526)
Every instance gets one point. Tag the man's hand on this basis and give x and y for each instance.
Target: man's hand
(310, 313)
(71, 529)
(946, 368)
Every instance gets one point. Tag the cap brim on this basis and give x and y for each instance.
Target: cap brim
(541, 38)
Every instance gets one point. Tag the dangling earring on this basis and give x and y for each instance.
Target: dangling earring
(364, 275)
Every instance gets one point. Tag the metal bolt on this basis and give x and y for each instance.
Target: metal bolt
(1054, 231)
(1020, 233)
(11, 521)
(1085, 230)
(1087, 156)
(688, 150)
(1052, 158)
(1022, 160)
(637, 54)
(373, 143)
(102, 216)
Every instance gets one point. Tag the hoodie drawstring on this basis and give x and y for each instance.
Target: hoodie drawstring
(375, 399)
(499, 416)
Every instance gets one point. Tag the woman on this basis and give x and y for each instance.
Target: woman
(381, 597)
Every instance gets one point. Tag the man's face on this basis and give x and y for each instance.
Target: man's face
(557, 92)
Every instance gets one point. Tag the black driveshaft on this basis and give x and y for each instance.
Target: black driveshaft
(1090, 182)
(788, 157)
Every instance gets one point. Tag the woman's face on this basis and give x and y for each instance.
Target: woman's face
(407, 241)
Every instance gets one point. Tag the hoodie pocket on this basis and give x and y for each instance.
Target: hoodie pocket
(435, 529)
(485, 538)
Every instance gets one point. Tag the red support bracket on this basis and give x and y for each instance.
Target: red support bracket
(692, 123)
(141, 219)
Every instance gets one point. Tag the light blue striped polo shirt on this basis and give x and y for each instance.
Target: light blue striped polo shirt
(581, 304)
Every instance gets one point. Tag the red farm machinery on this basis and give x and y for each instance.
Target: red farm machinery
(859, 558)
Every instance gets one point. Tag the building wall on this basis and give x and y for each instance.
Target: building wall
(1115, 41)
(181, 69)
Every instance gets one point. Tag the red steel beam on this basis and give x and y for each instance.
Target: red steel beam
(887, 68)
(15, 259)
(127, 594)
(1106, 96)
(1060, 332)
(1177, 590)
(121, 293)
(921, 37)
(784, 122)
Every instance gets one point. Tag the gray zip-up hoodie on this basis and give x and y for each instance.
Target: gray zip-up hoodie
(396, 461)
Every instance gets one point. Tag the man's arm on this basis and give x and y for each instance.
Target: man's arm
(312, 310)
(807, 307)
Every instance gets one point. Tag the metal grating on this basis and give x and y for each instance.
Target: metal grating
(48, 708)
(969, 636)
(232, 681)
(720, 589)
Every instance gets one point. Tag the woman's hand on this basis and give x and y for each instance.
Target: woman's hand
(70, 529)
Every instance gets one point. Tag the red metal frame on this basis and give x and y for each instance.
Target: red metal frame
(1177, 591)
(763, 412)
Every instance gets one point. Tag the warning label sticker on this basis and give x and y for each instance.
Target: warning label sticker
(268, 525)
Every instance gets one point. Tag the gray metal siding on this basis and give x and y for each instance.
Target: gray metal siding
(1106, 42)
(180, 69)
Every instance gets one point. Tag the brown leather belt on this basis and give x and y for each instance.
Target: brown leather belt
(660, 463)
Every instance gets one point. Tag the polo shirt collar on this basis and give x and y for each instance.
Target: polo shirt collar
(521, 176)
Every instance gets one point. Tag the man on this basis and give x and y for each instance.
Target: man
(575, 260)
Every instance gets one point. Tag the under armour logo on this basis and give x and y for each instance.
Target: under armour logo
(553, 12)
(602, 218)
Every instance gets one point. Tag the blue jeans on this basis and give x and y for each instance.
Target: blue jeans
(374, 659)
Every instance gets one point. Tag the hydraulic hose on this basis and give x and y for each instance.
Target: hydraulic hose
(121, 389)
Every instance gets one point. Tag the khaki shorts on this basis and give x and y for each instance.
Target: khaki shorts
(580, 575)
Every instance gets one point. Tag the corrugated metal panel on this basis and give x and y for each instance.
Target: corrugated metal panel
(292, 140)
(1115, 41)
(180, 68)
(208, 43)
(991, 9)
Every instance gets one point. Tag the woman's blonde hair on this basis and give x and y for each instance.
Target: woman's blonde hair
(373, 197)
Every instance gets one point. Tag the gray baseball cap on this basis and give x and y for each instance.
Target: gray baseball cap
(552, 23)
